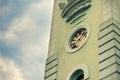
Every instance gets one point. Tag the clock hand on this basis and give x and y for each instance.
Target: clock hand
(73, 42)
(79, 37)
(83, 36)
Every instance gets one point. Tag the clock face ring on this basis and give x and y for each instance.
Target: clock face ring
(77, 38)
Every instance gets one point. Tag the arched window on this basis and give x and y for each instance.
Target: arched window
(77, 75)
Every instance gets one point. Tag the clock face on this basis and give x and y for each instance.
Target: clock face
(77, 38)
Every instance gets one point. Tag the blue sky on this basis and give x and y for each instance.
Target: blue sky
(24, 37)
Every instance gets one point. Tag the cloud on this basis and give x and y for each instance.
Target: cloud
(38, 51)
(9, 70)
(42, 10)
(20, 28)
(7, 36)
(41, 6)
(34, 70)
(30, 33)
(27, 25)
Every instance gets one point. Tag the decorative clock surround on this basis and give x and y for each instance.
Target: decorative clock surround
(74, 9)
(77, 38)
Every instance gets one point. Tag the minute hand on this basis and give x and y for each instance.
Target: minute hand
(79, 38)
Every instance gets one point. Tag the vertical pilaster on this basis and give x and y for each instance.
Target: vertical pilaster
(51, 68)
(111, 10)
(55, 20)
(52, 59)
(109, 41)
(109, 50)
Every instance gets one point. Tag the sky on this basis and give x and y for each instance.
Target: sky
(24, 37)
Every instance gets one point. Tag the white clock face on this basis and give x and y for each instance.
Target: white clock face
(77, 38)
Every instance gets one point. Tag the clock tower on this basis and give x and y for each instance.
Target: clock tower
(85, 41)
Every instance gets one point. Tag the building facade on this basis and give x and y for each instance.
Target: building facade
(84, 41)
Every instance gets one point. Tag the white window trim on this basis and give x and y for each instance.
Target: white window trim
(82, 67)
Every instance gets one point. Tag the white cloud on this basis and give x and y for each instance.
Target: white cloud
(27, 25)
(25, 22)
(34, 70)
(31, 48)
(41, 6)
(32, 34)
(27, 31)
(20, 29)
(9, 70)
(7, 36)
